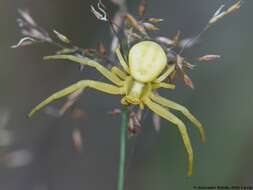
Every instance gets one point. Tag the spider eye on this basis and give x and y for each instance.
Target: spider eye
(147, 59)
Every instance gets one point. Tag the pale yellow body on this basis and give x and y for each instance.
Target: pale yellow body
(141, 76)
(146, 61)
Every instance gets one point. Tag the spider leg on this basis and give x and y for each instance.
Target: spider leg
(85, 61)
(182, 109)
(163, 85)
(164, 113)
(166, 74)
(122, 75)
(122, 61)
(81, 85)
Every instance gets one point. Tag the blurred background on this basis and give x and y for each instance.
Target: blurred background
(38, 154)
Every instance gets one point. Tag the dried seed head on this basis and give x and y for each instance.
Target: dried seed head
(139, 114)
(31, 30)
(18, 158)
(234, 7)
(173, 76)
(188, 81)
(24, 42)
(188, 65)
(134, 125)
(208, 57)
(188, 42)
(216, 18)
(27, 17)
(61, 37)
(77, 140)
(179, 62)
(136, 120)
(219, 14)
(164, 40)
(176, 38)
(6, 138)
(132, 36)
(142, 8)
(5, 117)
(79, 114)
(66, 51)
(157, 122)
(72, 98)
(115, 112)
(135, 24)
(118, 20)
(100, 14)
(90, 52)
(131, 127)
(118, 2)
(101, 49)
(154, 20)
(149, 26)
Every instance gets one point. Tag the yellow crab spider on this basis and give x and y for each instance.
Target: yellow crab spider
(145, 72)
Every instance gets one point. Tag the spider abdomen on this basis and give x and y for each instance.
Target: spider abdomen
(147, 60)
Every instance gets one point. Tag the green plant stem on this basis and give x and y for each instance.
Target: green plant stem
(123, 135)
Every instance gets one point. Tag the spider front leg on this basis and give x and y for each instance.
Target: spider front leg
(170, 104)
(166, 74)
(163, 85)
(164, 113)
(88, 62)
(81, 85)
(122, 60)
(122, 75)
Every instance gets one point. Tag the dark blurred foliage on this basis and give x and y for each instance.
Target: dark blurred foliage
(222, 100)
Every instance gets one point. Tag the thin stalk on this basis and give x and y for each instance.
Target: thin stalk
(123, 135)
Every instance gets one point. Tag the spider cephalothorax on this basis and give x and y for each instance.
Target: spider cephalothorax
(144, 73)
(147, 60)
